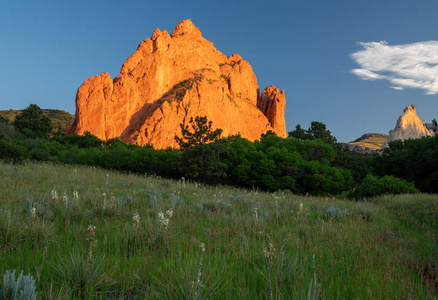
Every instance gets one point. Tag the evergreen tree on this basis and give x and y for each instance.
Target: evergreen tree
(317, 130)
(201, 133)
(32, 118)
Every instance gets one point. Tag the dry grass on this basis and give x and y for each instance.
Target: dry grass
(373, 141)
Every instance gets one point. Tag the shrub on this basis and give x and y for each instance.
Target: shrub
(372, 186)
(334, 213)
(3, 120)
(12, 151)
(84, 275)
(22, 288)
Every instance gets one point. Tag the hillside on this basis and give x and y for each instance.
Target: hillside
(95, 234)
(61, 120)
(371, 141)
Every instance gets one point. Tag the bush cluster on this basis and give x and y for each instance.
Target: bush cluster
(372, 186)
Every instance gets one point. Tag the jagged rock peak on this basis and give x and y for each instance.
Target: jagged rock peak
(185, 27)
(408, 126)
(168, 80)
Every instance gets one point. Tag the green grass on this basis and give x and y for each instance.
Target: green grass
(257, 245)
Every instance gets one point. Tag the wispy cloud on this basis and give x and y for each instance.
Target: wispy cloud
(404, 66)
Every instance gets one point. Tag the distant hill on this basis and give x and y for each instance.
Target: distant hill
(371, 141)
(61, 120)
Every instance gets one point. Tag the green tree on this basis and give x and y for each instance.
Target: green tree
(204, 163)
(32, 118)
(414, 160)
(299, 133)
(201, 133)
(317, 130)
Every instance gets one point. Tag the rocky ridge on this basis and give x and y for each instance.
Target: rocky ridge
(168, 80)
(408, 126)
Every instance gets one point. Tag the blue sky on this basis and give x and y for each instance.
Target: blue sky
(48, 49)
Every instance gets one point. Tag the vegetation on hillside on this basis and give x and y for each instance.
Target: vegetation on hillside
(84, 232)
(413, 160)
(314, 164)
(33, 119)
(61, 120)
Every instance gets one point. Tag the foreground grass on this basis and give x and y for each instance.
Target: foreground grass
(163, 239)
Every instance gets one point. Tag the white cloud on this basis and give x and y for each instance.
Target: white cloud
(397, 88)
(405, 66)
(367, 74)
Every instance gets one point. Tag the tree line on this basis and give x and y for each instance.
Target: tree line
(307, 162)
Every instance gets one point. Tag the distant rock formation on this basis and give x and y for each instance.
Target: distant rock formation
(168, 80)
(408, 126)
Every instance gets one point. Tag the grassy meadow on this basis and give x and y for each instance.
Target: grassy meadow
(84, 232)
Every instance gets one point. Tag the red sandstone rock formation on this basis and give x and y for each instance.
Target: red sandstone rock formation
(167, 80)
(272, 104)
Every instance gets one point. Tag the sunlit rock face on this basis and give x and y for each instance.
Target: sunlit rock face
(168, 80)
(408, 126)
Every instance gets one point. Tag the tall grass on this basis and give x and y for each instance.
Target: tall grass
(148, 232)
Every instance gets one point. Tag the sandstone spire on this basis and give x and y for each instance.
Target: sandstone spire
(272, 103)
(408, 126)
(167, 80)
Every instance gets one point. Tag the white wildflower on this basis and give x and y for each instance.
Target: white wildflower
(33, 213)
(54, 195)
(269, 252)
(164, 218)
(65, 199)
(136, 220)
(198, 283)
(302, 213)
(104, 200)
(164, 222)
(255, 214)
(93, 242)
(75, 196)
